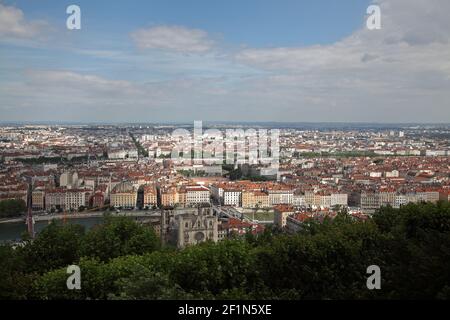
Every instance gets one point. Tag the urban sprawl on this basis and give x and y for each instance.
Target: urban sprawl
(78, 169)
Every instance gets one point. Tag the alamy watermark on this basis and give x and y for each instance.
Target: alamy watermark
(235, 146)
(73, 22)
(374, 281)
(374, 19)
(74, 280)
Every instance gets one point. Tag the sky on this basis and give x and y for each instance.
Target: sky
(233, 60)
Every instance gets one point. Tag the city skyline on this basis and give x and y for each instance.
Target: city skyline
(294, 61)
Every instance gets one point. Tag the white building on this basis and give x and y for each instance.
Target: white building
(65, 199)
(197, 195)
(298, 200)
(232, 197)
(280, 196)
(339, 199)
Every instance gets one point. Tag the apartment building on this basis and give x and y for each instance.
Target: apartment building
(197, 195)
(253, 199)
(338, 199)
(281, 212)
(169, 196)
(232, 197)
(387, 198)
(280, 195)
(298, 200)
(370, 201)
(65, 199)
(150, 196)
(124, 195)
(38, 199)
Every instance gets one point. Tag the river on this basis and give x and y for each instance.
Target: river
(13, 231)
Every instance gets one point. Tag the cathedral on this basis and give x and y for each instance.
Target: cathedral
(190, 228)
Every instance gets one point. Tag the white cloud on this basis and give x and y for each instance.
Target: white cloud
(173, 38)
(14, 25)
(77, 81)
(55, 95)
(399, 73)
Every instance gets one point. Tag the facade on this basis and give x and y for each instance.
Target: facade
(261, 199)
(65, 199)
(181, 197)
(97, 199)
(232, 197)
(253, 199)
(190, 229)
(169, 196)
(248, 199)
(124, 195)
(311, 198)
(428, 196)
(298, 200)
(370, 201)
(197, 195)
(387, 198)
(325, 201)
(280, 196)
(281, 212)
(339, 199)
(38, 199)
(150, 196)
(75, 198)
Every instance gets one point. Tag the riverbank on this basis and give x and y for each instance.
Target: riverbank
(81, 215)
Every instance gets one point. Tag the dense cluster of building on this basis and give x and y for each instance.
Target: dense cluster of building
(73, 168)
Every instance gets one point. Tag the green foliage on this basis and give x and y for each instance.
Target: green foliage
(258, 178)
(14, 282)
(193, 173)
(12, 208)
(227, 167)
(236, 174)
(117, 237)
(56, 160)
(141, 150)
(143, 283)
(326, 260)
(56, 246)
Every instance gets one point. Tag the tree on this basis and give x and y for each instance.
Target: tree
(14, 277)
(144, 283)
(326, 260)
(119, 236)
(12, 208)
(54, 247)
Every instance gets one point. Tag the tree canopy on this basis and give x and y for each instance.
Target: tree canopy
(12, 208)
(325, 260)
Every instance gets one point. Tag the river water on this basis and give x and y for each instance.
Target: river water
(13, 231)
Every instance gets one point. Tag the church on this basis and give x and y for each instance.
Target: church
(192, 228)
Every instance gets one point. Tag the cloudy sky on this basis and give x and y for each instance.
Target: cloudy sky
(233, 60)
